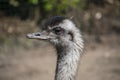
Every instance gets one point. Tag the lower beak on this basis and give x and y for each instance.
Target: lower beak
(38, 35)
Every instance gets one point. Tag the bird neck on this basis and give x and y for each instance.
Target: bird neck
(67, 62)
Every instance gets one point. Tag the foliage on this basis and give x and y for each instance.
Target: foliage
(14, 3)
(53, 7)
(33, 1)
(47, 7)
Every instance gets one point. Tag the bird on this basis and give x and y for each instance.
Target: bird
(63, 34)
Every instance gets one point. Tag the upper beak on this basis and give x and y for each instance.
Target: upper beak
(38, 35)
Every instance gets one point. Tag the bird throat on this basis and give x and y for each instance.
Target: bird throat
(67, 62)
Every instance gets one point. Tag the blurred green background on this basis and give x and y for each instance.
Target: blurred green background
(23, 59)
(94, 17)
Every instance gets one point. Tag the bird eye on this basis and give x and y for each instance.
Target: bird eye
(57, 30)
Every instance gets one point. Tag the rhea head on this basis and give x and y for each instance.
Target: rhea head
(62, 32)
(57, 30)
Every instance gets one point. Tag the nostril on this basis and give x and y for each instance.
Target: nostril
(37, 34)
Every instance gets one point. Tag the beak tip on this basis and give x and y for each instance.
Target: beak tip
(28, 35)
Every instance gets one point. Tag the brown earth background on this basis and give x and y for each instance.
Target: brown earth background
(24, 59)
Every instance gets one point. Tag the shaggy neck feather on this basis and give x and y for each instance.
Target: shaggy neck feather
(68, 60)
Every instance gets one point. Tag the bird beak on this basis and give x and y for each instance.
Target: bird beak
(38, 35)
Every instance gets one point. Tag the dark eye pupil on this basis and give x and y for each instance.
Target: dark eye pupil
(57, 30)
